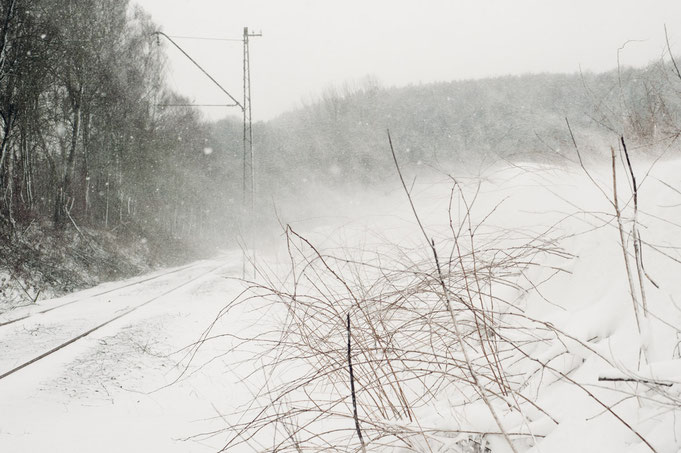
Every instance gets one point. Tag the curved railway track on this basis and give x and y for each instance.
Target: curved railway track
(125, 312)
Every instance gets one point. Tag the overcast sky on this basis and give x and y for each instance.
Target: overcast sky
(310, 45)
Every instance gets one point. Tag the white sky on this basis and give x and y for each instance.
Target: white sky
(308, 46)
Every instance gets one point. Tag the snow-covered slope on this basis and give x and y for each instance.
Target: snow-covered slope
(533, 265)
(543, 307)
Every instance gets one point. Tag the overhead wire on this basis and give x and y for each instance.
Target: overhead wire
(205, 38)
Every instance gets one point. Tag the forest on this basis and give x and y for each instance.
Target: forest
(84, 141)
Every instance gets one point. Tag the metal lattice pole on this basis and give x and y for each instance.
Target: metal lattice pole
(249, 186)
(248, 221)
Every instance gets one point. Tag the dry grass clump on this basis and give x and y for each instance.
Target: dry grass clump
(426, 324)
(384, 350)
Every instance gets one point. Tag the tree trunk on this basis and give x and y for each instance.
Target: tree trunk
(9, 194)
(69, 166)
(86, 171)
(106, 216)
(4, 144)
(3, 34)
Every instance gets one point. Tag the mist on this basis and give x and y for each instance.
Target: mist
(380, 227)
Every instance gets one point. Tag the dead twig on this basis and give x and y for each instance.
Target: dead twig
(352, 389)
(620, 229)
(638, 380)
(636, 238)
(669, 49)
(481, 389)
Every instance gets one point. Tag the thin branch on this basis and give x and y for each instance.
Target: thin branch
(641, 381)
(581, 162)
(352, 389)
(481, 390)
(620, 229)
(637, 242)
(671, 55)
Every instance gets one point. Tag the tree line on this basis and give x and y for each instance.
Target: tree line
(84, 136)
(342, 135)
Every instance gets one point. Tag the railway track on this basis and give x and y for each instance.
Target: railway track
(108, 291)
(125, 312)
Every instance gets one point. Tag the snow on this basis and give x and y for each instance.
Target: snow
(104, 392)
(138, 385)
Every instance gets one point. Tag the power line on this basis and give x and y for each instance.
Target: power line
(249, 186)
(160, 33)
(206, 38)
(196, 105)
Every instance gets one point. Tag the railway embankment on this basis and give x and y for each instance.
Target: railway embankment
(40, 262)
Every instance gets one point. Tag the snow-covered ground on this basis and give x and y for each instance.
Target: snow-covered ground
(135, 384)
(106, 391)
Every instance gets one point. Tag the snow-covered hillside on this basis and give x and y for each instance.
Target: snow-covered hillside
(525, 338)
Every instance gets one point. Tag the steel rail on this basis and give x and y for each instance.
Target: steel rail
(106, 323)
